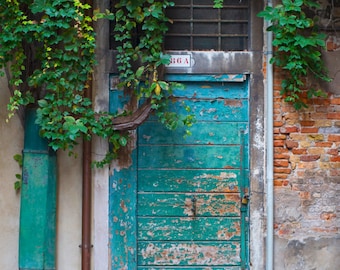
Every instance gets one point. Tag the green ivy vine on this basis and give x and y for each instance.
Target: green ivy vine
(298, 43)
(47, 48)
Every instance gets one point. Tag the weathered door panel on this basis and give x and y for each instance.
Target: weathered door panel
(188, 190)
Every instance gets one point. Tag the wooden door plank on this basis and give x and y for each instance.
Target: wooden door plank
(219, 110)
(195, 156)
(188, 229)
(212, 133)
(189, 253)
(182, 205)
(204, 90)
(199, 180)
(188, 268)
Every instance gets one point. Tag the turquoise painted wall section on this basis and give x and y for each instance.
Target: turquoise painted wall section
(188, 190)
(123, 203)
(38, 201)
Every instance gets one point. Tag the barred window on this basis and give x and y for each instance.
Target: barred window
(196, 25)
(199, 26)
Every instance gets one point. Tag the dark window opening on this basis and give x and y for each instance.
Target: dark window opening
(198, 26)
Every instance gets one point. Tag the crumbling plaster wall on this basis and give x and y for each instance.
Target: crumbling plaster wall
(307, 178)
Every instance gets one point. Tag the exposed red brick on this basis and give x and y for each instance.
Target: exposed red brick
(309, 158)
(276, 130)
(278, 124)
(333, 138)
(281, 156)
(287, 130)
(280, 150)
(279, 143)
(335, 159)
(309, 130)
(333, 115)
(282, 170)
(281, 163)
(323, 144)
(335, 101)
(281, 176)
(299, 151)
(280, 137)
(333, 152)
(321, 101)
(307, 123)
(291, 144)
(278, 183)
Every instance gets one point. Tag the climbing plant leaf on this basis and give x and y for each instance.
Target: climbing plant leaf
(298, 44)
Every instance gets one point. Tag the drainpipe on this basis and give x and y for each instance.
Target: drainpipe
(86, 245)
(86, 207)
(270, 153)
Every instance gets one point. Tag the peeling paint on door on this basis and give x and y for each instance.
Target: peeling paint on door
(188, 200)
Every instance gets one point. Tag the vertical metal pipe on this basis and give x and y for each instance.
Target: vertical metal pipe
(87, 194)
(86, 207)
(270, 153)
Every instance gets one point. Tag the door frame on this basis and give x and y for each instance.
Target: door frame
(123, 183)
(248, 62)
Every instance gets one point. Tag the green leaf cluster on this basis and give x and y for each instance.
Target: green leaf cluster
(147, 20)
(49, 47)
(298, 44)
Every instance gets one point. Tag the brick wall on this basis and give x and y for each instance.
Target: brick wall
(306, 167)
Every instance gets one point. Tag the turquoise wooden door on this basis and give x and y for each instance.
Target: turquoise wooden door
(182, 204)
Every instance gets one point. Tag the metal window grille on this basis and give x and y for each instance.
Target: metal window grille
(198, 26)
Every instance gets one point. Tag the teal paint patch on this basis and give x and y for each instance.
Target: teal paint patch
(196, 156)
(122, 221)
(122, 199)
(209, 89)
(38, 201)
(206, 78)
(212, 133)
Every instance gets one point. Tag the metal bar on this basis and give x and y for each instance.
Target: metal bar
(208, 35)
